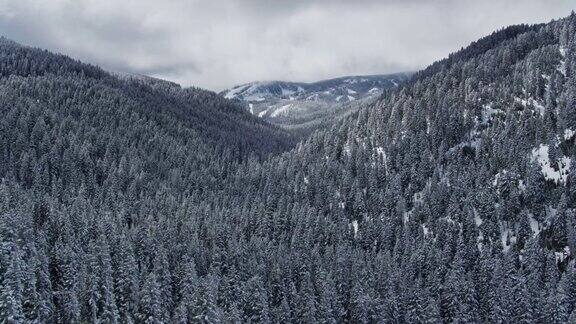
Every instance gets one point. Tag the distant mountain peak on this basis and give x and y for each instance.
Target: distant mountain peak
(290, 103)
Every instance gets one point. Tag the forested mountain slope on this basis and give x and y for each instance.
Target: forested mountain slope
(71, 134)
(214, 119)
(450, 199)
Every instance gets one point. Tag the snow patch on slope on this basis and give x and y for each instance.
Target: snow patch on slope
(558, 174)
(531, 101)
(280, 111)
(488, 112)
(562, 67)
(568, 134)
(506, 237)
(534, 225)
(562, 255)
(380, 153)
(355, 227)
(234, 91)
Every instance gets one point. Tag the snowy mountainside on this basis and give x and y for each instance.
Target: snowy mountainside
(295, 103)
(451, 199)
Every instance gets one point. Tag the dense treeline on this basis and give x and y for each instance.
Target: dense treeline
(451, 199)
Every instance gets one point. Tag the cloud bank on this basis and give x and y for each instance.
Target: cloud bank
(220, 43)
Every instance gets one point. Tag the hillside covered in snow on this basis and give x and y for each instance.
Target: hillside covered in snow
(450, 198)
(298, 104)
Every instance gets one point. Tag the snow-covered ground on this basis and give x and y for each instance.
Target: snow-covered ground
(531, 102)
(488, 112)
(557, 173)
(309, 98)
(282, 110)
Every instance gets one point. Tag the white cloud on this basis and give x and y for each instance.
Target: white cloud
(220, 43)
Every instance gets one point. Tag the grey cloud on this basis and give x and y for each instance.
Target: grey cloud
(220, 43)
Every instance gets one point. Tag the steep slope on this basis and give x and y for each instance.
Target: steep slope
(298, 104)
(81, 149)
(451, 199)
(458, 188)
(213, 119)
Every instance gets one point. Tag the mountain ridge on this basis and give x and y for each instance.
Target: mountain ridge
(303, 107)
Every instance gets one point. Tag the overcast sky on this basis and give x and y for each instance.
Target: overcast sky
(216, 44)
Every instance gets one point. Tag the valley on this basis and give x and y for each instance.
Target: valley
(447, 195)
